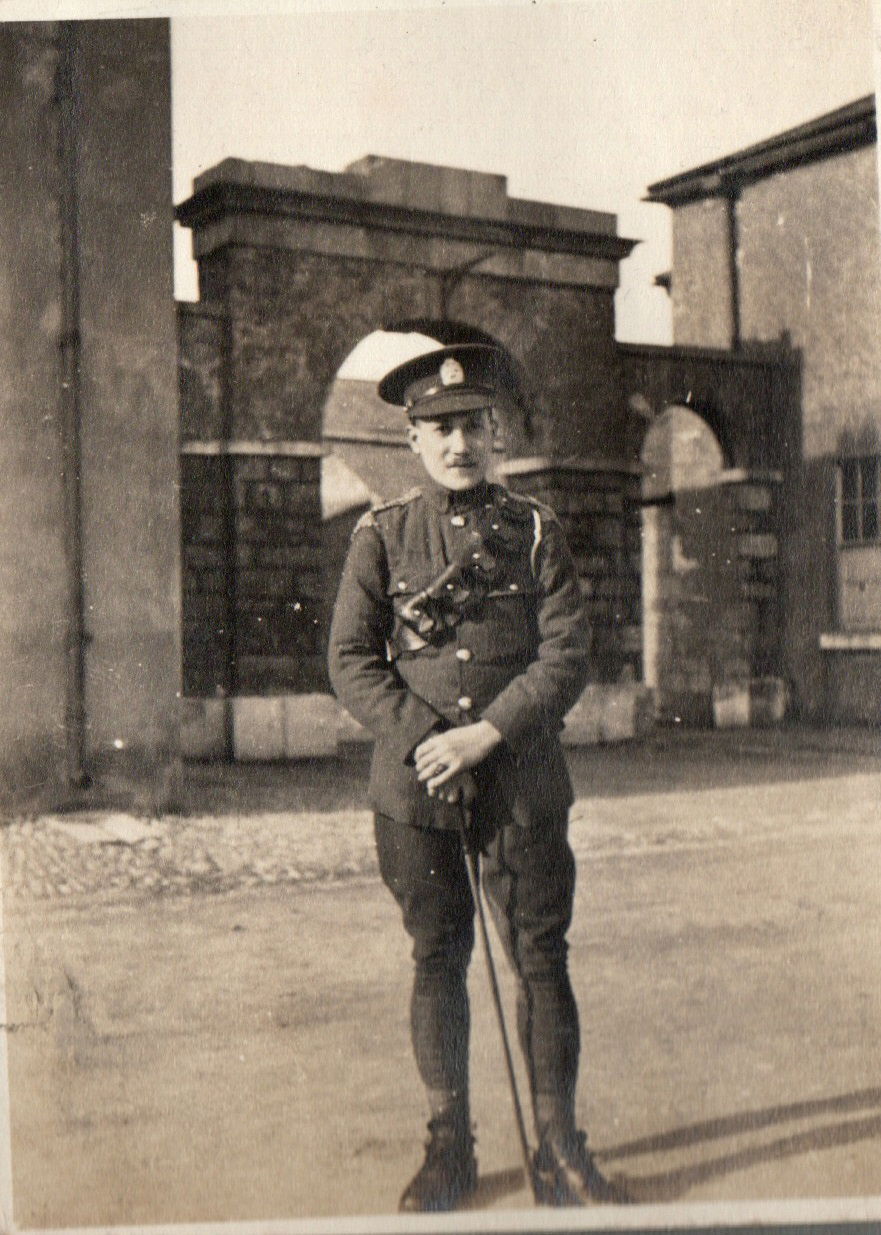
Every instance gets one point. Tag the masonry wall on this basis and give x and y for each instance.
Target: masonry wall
(810, 263)
(293, 319)
(599, 508)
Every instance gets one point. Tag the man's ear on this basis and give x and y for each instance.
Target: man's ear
(413, 438)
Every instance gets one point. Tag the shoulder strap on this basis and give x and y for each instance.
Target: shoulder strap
(536, 539)
(366, 520)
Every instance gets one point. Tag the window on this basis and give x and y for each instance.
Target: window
(858, 499)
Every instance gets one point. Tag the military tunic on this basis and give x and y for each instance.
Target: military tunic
(503, 638)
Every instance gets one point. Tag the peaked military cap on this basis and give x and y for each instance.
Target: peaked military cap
(462, 378)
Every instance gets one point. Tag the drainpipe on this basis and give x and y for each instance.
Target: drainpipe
(732, 200)
(70, 408)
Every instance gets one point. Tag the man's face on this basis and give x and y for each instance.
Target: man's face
(455, 450)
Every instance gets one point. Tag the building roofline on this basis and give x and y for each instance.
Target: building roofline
(846, 128)
(236, 186)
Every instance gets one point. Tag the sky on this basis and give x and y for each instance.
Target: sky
(583, 103)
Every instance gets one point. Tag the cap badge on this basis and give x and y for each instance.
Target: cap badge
(451, 372)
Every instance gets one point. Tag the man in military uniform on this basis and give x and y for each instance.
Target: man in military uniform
(458, 639)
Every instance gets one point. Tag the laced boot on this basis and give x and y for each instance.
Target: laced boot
(449, 1172)
(566, 1173)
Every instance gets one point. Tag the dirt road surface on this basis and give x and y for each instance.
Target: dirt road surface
(207, 1013)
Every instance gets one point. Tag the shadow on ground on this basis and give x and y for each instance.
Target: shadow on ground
(674, 1184)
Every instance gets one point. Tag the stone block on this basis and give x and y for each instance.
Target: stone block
(757, 544)
(746, 703)
(759, 591)
(253, 467)
(312, 726)
(757, 498)
(203, 728)
(258, 728)
(207, 581)
(596, 564)
(288, 556)
(268, 495)
(205, 527)
(631, 639)
(608, 533)
(259, 674)
(204, 609)
(590, 503)
(609, 713)
(769, 700)
(293, 726)
(202, 557)
(286, 468)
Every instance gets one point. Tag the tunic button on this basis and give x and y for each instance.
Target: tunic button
(512, 587)
(463, 653)
(402, 584)
(458, 521)
(466, 703)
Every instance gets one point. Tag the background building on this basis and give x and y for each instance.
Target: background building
(782, 239)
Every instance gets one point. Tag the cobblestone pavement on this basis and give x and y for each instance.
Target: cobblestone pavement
(295, 825)
(64, 856)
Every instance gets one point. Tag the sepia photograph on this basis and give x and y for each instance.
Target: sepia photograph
(440, 616)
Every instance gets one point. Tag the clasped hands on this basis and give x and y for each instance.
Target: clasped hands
(444, 761)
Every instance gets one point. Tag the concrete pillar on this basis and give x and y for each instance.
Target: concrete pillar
(86, 265)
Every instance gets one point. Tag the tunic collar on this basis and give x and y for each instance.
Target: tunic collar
(454, 499)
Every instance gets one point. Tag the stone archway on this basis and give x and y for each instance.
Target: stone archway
(709, 577)
(297, 267)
